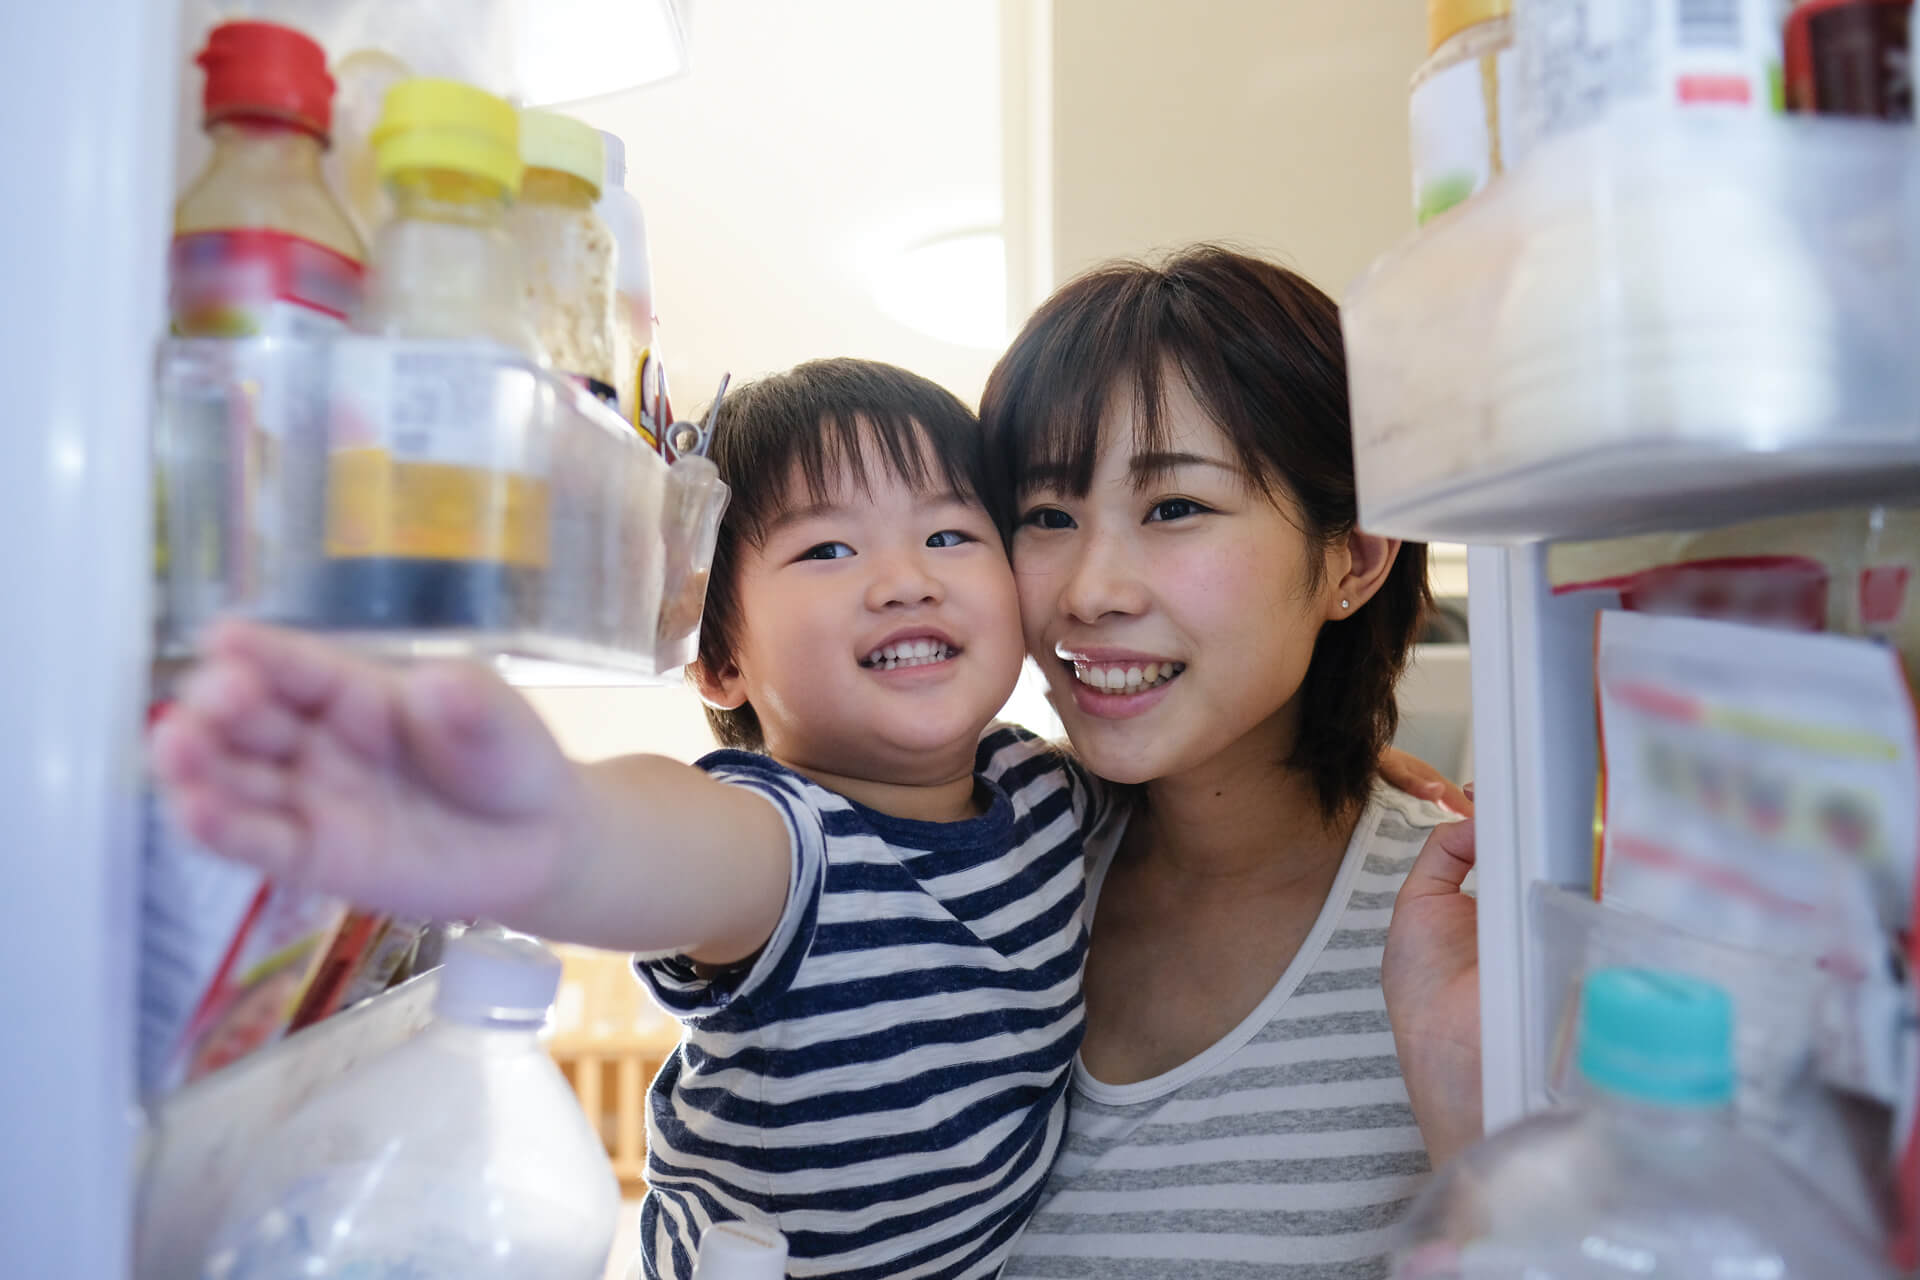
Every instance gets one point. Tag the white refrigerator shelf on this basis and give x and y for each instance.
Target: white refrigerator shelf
(424, 499)
(1659, 322)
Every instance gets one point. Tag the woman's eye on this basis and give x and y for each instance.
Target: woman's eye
(1047, 518)
(827, 551)
(949, 538)
(1174, 509)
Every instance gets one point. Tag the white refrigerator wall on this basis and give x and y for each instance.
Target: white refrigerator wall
(86, 126)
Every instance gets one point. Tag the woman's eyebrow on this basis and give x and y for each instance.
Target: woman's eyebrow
(1154, 464)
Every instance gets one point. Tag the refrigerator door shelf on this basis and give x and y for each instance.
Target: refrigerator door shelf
(424, 499)
(1660, 322)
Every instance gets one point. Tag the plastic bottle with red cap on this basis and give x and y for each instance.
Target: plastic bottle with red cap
(260, 244)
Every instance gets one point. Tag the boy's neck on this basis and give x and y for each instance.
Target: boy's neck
(941, 799)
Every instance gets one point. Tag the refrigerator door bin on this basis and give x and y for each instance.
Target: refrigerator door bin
(424, 499)
(1658, 322)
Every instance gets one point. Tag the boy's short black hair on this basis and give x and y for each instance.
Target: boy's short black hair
(817, 423)
(1260, 348)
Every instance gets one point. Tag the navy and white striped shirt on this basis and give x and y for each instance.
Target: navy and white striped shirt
(886, 1082)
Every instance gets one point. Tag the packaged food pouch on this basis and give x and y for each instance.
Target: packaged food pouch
(226, 956)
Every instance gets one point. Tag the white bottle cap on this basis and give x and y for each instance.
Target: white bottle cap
(497, 978)
(738, 1251)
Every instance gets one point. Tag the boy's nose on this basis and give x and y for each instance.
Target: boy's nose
(903, 581)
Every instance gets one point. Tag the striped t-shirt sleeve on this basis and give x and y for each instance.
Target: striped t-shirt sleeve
(702, 998)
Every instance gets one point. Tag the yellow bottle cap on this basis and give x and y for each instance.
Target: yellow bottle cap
(549, 140)
(443, 124)
(1448, 18)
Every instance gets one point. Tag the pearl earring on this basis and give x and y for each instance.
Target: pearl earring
(1343, 603)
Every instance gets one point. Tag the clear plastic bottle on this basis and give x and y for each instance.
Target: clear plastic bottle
(445, 265)
(1650, 1180)
(437, 495)
(633, 285)
(260, 244)
(460, 1155)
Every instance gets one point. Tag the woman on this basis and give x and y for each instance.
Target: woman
(1222, 639)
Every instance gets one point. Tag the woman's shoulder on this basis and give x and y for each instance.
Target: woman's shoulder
(1402, 818)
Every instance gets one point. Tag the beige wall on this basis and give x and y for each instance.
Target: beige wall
(1279, 124)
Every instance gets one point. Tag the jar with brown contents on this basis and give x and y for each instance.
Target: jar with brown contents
(565, 248)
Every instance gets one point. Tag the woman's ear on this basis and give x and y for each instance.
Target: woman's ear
(1368, 558)
(722, 688)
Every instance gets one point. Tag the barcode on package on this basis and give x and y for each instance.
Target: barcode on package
(1709, 24)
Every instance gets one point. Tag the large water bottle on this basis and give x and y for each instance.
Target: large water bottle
(1648, 1180)
(459, 1155)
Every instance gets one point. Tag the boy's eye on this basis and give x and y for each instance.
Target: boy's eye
(949, 538)
(827, 551)
(1047, 518)
(1174, 509)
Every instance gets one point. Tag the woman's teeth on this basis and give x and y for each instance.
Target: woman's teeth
(908, 653)
(1131, 679)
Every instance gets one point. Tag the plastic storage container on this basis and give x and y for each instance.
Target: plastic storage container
(250, 529)
(566, 251)
(1649, 1179)
(1651, 324)
(459, 1155)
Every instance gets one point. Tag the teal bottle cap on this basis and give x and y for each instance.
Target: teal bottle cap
(1657, 1037)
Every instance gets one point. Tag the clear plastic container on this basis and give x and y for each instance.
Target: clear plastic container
(566, 250)
(1648, 1180)
(1657, 323)
(251, 526)
(428, 522)
(460, 1155)
(260, 244)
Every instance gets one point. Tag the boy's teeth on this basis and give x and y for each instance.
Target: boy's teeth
(908, 653)
(1127, 679)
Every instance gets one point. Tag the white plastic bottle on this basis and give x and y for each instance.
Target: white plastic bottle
(1650, 1180)
(460, 1155)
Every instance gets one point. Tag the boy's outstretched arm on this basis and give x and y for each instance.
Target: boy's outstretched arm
(436, 791)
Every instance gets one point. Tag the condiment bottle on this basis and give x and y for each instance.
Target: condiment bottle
(566, 249)
(437, 493)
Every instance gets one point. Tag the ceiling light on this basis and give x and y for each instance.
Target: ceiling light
(569, 50)
(952, 287)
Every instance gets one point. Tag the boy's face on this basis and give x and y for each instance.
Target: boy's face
(880, 631)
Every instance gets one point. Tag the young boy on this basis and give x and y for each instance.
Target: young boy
(870, 919)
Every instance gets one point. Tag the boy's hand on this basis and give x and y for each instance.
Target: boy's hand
(428, 791)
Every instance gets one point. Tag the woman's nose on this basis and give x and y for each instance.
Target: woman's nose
(1102, 581)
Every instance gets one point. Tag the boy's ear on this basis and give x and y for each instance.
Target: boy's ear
(722, 688)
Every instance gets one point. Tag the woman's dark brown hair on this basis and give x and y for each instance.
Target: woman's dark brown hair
(1260, 348)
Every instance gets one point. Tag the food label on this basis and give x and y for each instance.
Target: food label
(437, 451)
(1581, 58)
(256, 283)
(1455, 118)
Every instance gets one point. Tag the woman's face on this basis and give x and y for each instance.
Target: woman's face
(1171, 608)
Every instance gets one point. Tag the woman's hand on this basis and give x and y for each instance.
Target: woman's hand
(1431, 976)
(1422, 781)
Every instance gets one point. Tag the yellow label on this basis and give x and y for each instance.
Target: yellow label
(433, 511)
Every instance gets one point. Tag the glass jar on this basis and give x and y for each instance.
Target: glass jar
(567, 251)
